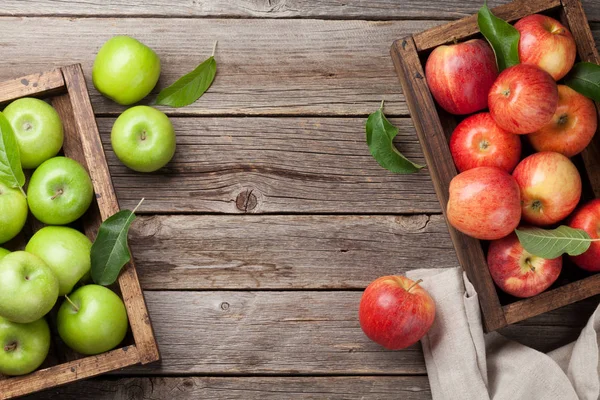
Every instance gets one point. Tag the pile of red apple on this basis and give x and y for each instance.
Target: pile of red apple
(497, 190)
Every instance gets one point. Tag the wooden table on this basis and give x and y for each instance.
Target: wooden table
(257, 239)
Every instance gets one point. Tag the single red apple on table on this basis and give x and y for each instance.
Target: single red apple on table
(550, 187)
(588, 219)
(523, 99)
(479, 142)
(460, 76)
(395, 312)
(484, 203)
(545, 42)
(571, 128)
(518, 272)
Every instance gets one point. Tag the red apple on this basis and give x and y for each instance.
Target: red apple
(550, 187)
(460, 75)
(523, 99)
(395, 312)
(588, 219)
(571, 128)
(484, 203)
(545, 42)
(518, 272)
(479, 142)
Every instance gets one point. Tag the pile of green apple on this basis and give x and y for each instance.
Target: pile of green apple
(56, 260)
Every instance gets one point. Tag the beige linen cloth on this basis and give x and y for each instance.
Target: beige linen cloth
(463, 363)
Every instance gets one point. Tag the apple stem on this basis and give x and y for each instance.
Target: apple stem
(73, 304)
(381, 106)
(414, 284)
(10, 347)
(23, 191)
(138, 206)
(214, 48)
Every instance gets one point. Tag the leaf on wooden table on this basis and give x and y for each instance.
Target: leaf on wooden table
(502, 36)
(191, 86)
(110, 251)
(11, 172)
(552, 243)
(380, 136)
(585, 79)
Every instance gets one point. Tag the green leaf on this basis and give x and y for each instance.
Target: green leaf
(380, 136)
(11, 172)
(191, 86)
(110, 251)
(552, 243)
(585, 79)
(502, 36)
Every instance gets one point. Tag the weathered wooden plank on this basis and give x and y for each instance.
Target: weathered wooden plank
(285, 252)
(358, 9)
(321, 67)
(268, 165)
(244, 388)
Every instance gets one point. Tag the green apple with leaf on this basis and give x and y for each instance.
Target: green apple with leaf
(13, 212)
(23, 347)
(37, 128)
(92, 320)
(66, 251)
(28, 287)
(143, 139)
(125, 70)
(60, 191)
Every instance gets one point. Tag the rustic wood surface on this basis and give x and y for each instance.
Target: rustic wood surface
(264, 304)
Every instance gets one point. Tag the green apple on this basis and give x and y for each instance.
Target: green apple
(3, 253)
(38, 130)
(125, 70)
(28, 287)
(60, 191)
(66, 251)
(13, 212)
(92, 320)
(23, 347)
(143, 139)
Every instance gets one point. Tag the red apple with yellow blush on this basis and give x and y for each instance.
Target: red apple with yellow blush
(395, 312)
(459, 76)
(572, 126)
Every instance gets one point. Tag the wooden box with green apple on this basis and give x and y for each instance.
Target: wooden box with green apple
(66, 91)
(434, 127)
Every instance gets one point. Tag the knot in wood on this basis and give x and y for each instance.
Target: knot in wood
(224, 306)
(246, 201)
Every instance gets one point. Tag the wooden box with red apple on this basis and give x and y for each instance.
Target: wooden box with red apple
(66, 90)
(510, 167)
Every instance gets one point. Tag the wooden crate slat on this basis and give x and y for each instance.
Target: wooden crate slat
(38, 85)
(463, 28)
(91, 144)
(441, 167)
(69, 372)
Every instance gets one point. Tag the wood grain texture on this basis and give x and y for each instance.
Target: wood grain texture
(285, 252)
(106, 200)
(466, 27)
(335, 9)
(271, 165)
(255, 388)
(433, 134)
(36, 84)
(322, 67)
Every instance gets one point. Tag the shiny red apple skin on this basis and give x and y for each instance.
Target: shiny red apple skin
(460, 76)
(484, 203)
(523, 99)
(518, 272)
(546, 43)
(394, 313)
(572, 126)
(479, 142)
(550, 187)
(588, 218)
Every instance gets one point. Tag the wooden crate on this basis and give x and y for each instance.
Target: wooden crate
(434, 126)
(67, 92)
